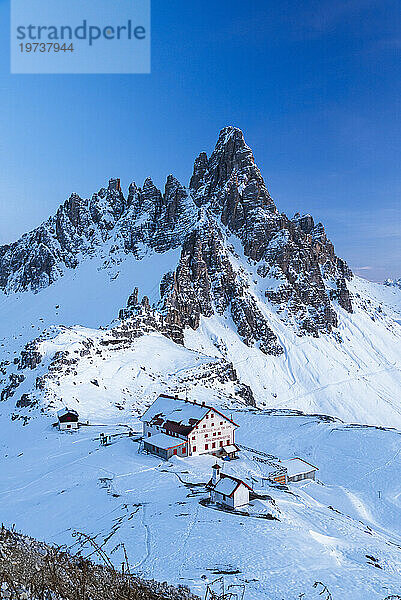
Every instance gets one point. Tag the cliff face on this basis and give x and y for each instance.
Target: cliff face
(227, 205)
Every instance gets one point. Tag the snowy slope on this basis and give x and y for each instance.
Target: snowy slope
(356, 380)
(336, 530)
(247, 310)
(225, 273)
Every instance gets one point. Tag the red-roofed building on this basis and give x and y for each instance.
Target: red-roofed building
(227, 490)
(204, 429)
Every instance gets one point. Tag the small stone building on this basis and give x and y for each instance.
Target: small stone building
(227, 490)
(67, 419)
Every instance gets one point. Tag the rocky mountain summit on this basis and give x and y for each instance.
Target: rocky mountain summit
(206, 290)
(226, 213)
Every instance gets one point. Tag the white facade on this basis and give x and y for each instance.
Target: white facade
(64, 426)
(67, 419)
(211, 433)
(239, 497)
(205, 429)
(228, 491)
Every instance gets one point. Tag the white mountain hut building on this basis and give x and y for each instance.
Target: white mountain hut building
(174, 426)
(227, 490)
(67, 419)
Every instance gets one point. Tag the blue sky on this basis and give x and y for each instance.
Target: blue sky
(314, 85)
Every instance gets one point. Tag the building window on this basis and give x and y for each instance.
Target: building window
(204, 427)
(221, 443)
(214, 433)
(183, 451)
(214, 445)
(206, 446)
(211, 416)
(194, 449)
(207, 416)
(193, 437)
(227, 442)
(221, 422)
(149, 434)
(206, 435)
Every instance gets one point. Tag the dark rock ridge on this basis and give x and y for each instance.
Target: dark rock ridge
(393, 283)
(227, 205)
(206, 281)
(81, 228)
(296, 252)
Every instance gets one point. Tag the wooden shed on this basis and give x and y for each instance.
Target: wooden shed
(299, 469)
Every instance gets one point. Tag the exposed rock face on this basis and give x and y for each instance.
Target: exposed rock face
(296, 252)
(292, 258)
(206, 281)
(146, 219)
(393, 282)
(139, 318)
(30, 357)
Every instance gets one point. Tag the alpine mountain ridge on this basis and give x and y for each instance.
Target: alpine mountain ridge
(206, 290)
(226, 211)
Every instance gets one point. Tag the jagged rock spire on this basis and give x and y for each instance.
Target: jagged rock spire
(227, 195)
(231, 163)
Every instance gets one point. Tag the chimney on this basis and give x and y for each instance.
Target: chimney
(216, 473)
(203, 403)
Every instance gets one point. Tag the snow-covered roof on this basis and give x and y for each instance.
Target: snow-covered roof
(297, 466)
(66, 411)
(231, 448)
(227, 485)
(177, 410)
(161, 440)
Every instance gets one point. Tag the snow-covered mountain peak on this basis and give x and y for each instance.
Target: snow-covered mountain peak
(218, 252)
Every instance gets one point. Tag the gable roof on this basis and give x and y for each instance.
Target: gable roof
(297, 466)
(66, 411)
(177, 414)
(227, 485)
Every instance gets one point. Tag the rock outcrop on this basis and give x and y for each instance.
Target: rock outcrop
(228, 205)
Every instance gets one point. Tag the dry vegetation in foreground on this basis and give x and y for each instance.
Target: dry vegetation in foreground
(31, 570)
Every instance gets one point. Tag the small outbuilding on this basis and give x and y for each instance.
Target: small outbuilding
(165, 446)
(229, 452)
(67, 419)
(299, 469)
(227, 490)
